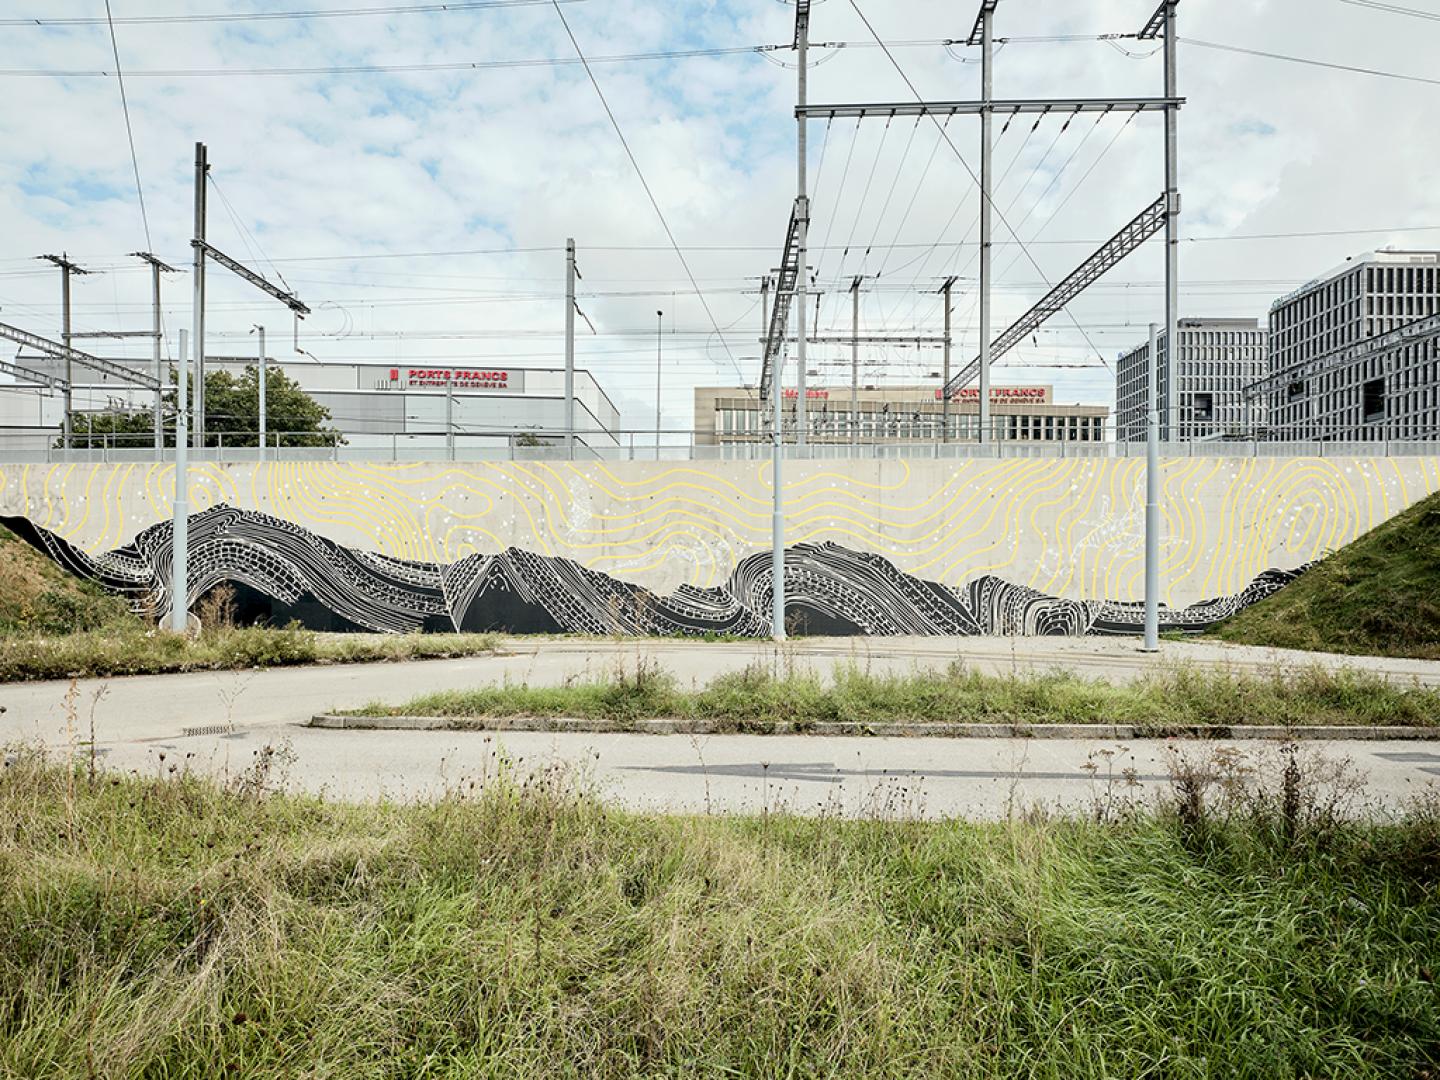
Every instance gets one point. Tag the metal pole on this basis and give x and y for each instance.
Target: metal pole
(450, 417)
(945, 371)
(202, 167)
(777, 514)
(159, 381)
(1172, 234)
(802, 42)
(260, 371)
(659, 328)
(180, 517)
(764, 334)
(986, 93)
(854, 361)
(570, 348)
(1152, 495)
(65, 340)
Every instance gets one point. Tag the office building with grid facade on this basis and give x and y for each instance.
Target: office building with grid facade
(1349, 358)
(1217, 360)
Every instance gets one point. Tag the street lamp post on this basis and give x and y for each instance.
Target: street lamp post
(659, 325)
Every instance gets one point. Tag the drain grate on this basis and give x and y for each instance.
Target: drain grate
(206, 729)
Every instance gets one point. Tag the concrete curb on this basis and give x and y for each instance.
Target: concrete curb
(1119, 732)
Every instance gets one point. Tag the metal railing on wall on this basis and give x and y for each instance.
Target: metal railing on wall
(38, 445)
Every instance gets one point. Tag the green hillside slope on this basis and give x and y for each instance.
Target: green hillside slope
(1379, 595)
(38, 597)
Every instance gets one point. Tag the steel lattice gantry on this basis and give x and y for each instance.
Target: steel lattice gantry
(784, 294)
(40, 378)
(290, 300)
(75, 356)
(1143, 226)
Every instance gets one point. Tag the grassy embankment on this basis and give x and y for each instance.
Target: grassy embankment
(1378, 596)
(170, 927)
(754, 699)
(54, 625)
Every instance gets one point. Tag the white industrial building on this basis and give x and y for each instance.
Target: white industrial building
(401, 406)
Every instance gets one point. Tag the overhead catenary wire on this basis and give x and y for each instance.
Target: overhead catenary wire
(961, 157)
(910, 206)
(129, 129)
(889, 196)
(1394, 9)
(1300, 234)
(640, 173)
(865, 194)
(1330, 65)
(438, 66)
(929, 253)
(824, 245)
(448, 7)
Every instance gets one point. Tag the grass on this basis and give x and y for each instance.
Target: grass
(518, 928)
(1379, 595)
(39, 598)
(141, 650)
(754, 699)
(54, 625)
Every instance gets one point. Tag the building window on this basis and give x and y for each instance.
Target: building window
(1374, 398)
(1204, 407)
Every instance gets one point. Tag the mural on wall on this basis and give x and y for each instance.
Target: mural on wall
(287, 572)
(983, 546)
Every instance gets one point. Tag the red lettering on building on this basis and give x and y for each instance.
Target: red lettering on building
(999, 393)
(459, 378)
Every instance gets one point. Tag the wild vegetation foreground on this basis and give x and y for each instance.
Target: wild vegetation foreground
(167, 926)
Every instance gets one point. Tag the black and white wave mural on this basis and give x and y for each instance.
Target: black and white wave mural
(282, 572)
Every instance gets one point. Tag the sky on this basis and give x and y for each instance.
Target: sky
(422, 214)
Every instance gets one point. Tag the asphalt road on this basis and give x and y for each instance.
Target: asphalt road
(890, 777)
(215, 722)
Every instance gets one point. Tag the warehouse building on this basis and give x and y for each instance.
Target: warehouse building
(403, 407)
(726, 415)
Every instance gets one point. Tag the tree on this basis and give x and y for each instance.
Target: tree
(232, 411)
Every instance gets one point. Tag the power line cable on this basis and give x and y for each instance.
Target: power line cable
(1078, 185)
(273, 16)
(839, 190)
(252, 243)
(890, 248)
(1312, 63)
(385, 69)
(679, 254)
(961, 157)
(889, 195)
(964, 240)
(1394, 9)
(129, 130)
(865, 194)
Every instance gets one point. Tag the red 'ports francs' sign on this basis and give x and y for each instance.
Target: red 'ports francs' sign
(1031, 394)
(459, 378)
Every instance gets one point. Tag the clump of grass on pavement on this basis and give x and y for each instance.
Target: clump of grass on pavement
(171, 927)
(754, 697)
(135, 648)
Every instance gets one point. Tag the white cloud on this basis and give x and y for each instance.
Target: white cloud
(366, 164)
